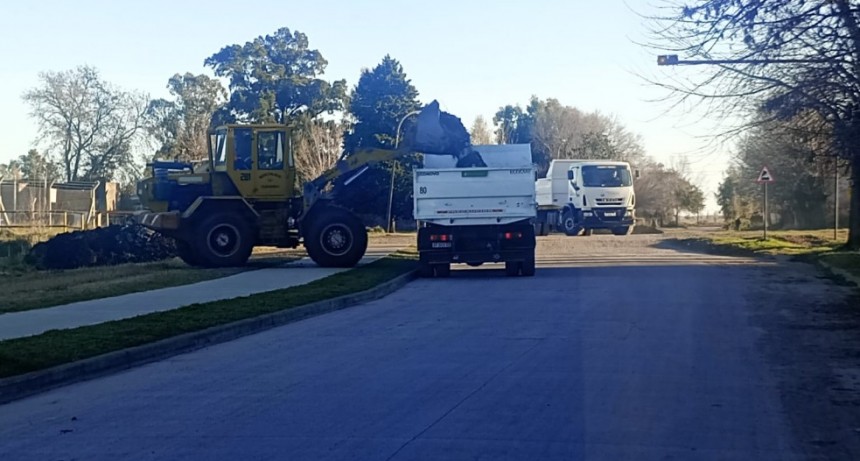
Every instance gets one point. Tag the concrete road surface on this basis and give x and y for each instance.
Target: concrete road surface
(659, 356)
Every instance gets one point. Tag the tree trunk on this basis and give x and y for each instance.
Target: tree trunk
(854, 213)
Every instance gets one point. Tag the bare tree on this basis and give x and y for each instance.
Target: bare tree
(180, 126)
(90, 124)
(317, 148)
(778, 57)
(480, 131)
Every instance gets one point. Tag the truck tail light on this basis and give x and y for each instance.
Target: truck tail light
(513, 235)
(441, 238)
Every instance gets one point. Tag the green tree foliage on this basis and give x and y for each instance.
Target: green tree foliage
(36, 167)
(663, 192)
(804, 178)
(514, 125)
(90, 125)
(556, 131)
(179, 126)
(688, 197)
(275, 78)
(380, 100)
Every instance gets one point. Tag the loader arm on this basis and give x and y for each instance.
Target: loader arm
(434, 133)
(355, 164)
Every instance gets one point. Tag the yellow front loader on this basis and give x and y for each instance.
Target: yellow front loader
(247, 194)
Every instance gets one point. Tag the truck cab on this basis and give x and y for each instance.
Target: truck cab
(578, 196)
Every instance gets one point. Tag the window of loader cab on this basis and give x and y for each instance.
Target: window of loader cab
(243, 138)
(218, 146)
(606, 176)
(270, 150)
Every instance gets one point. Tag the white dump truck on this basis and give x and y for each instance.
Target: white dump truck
(578, 196)
(477, 215)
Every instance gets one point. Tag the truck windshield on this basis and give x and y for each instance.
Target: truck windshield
(606, 176)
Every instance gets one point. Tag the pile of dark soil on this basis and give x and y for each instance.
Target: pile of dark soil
(102, 247)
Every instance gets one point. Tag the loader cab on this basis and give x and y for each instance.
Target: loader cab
(257, 161)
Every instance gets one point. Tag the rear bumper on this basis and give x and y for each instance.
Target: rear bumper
(476, 244)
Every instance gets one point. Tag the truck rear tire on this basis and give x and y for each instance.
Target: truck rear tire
(426, 271)
(442, 270)
(569, 225)
(512, 268)
(222, 240)
(336, 238)
(528, 269)
(622, 230)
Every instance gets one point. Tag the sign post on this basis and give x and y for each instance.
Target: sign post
(765, 178)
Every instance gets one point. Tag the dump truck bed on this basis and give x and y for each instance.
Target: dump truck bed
(474, 196)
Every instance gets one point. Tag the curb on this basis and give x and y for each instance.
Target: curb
(841, 273)
(18, 387)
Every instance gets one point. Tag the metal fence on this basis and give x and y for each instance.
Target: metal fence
(49, 219)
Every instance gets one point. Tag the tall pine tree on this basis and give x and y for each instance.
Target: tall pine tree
(380, 100)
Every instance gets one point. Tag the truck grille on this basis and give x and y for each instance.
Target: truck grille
(611, 214)
(609, 201)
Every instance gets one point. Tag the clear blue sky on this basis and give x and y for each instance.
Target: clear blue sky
(472, 56)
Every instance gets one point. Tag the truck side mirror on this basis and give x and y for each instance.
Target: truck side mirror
(570, 175)
(636, 174)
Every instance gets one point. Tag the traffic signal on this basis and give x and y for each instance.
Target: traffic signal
(667, 59)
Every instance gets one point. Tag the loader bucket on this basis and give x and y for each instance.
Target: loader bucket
(438, 133)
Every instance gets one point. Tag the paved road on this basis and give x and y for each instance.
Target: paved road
(637, 361)
(92, 312)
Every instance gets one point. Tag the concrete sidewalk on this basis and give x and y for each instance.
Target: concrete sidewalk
(301, 272)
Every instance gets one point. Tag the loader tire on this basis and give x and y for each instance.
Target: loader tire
(336, 238)
(222, 240)
(186, 253)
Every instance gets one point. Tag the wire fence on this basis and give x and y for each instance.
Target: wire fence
(53, 219)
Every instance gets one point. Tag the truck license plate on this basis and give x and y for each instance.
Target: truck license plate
(610, 214)
(441, 244)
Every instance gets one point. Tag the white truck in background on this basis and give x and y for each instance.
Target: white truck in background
(578, 196)
(477, 215)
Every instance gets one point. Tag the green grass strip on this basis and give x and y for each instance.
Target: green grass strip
(58, 347)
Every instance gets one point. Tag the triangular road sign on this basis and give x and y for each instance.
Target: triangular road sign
(764, 176)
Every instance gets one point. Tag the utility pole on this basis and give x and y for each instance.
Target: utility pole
(389, 223)
(835, 198)
(765, 211)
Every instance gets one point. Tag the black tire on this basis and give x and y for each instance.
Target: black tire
(622, 230)
(568, 224)
(426, 271)
(185, 252)
(222, 240)
(512, 268)
(336, 238)
(528, 269)
(442, 270)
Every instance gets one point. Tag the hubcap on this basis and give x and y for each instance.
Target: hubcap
(336, 239)
(224, 240)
